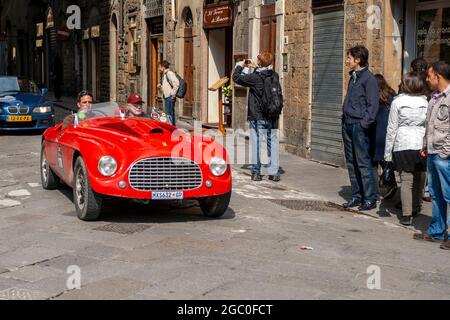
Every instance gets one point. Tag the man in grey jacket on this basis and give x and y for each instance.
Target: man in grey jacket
(437, 147)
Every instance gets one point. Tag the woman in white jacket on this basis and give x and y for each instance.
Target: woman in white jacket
(404, 140)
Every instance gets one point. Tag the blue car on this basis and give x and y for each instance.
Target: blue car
(23, 106)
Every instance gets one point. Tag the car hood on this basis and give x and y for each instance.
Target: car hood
(134, 133)
(29, 99)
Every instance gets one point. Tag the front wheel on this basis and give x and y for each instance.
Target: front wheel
(49, 179)
(88, 204)
(215, 207)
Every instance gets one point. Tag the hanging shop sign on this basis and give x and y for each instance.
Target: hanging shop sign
(95, 32)
(217, 16)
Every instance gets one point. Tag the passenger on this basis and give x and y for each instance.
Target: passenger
(135, 107)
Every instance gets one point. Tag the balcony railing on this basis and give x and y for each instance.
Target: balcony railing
(154, 8)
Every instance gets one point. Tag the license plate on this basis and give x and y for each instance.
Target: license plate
(19, 118)
(167, 195)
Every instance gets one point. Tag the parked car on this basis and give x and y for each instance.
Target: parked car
(23, 106)
(109, 155)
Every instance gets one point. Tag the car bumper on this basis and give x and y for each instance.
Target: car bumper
(40, 122)
(110, 187)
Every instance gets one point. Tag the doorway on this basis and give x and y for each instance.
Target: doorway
(268, 31)
(188, 64)
(155, 54)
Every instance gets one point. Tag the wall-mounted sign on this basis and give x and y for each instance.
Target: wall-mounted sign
(50, 23)
(40, 29)
(95, 31)
(86, 33)
(63, 33)
(217, 16)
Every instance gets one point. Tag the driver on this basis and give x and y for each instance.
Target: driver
(135, 106)
(84, 104)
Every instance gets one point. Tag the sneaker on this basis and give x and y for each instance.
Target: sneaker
(424, 236)
(406, 221)
(368, 205)
(445, 245)
(275, 178)
(352, 204)
(256, 177)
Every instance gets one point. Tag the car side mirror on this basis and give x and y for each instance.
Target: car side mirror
(44, 91)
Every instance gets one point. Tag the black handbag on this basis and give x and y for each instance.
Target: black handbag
(387, 182)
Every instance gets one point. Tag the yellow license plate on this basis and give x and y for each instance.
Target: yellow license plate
(19, 118)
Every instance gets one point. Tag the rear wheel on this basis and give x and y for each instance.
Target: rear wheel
(88, 204)
(215, 207)
(49, 179)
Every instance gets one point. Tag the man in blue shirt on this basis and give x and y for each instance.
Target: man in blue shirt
(360, 111)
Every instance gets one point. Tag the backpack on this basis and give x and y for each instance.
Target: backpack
(183, 86)
(272, 97)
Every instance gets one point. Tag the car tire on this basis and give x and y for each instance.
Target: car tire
(215, 207)
(49, 179)
(88, 203)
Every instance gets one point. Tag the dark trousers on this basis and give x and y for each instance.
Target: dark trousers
(169, 108)
(359, 164)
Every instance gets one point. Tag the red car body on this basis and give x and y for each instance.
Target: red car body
(132, 141)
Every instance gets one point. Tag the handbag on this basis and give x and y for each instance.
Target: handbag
(387, 182)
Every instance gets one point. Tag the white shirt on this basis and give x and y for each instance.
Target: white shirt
(406, 126)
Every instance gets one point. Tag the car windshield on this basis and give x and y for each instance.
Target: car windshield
(101, 110)
(8, 86)
(28, 86)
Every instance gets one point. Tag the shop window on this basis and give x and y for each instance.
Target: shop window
(433, 34)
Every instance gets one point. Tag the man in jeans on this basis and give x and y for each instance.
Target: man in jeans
(360, 110)
(262, 127)
(169, 86)
(437, 147)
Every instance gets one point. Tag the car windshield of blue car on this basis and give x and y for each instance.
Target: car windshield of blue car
(8, 86)
(28, 86)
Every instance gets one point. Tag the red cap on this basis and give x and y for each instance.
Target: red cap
(135, 99)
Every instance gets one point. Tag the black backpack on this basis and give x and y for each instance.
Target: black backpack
(183, 86)
(272, 97)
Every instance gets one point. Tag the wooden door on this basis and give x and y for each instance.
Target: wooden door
(268, 31)
(155, 57)
(188, 72)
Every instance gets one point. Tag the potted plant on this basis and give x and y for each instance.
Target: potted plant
(227, 93)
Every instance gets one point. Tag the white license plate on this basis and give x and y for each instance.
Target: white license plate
(167, 195)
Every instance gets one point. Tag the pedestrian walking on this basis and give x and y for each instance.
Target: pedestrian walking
(437, 150)
(404, 141)
(379, 128)
(169, 86)
(265, 103)
(360, 111)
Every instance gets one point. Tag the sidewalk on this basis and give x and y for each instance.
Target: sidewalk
(332, 184)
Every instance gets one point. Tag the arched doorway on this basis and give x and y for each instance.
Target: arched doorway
(113, 58)
(188, 64)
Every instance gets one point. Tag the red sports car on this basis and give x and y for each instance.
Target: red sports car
(134, 158)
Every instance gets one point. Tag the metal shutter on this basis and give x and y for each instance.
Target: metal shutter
(326, 139)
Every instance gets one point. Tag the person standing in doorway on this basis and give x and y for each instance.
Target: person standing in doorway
(437, 150)
(360, 111)
(169, 86)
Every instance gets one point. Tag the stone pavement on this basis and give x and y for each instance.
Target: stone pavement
(329, 183)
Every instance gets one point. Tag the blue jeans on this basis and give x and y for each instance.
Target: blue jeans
(263, 131)
(439, 188)
(359, 164)
(169, 108)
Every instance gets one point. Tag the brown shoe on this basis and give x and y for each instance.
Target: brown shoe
(424, 236)
(445, 245)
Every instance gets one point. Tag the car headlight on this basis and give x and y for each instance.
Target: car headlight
(42, 109)
(107, 166)
(218, 166)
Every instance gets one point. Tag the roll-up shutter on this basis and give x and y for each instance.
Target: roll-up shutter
(326, 139)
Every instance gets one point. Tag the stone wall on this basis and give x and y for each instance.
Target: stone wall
(296, 115)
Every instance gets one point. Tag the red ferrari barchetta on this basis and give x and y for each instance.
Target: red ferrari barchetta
(135, 158)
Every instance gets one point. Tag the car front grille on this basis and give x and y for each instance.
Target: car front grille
(165, 174)
(18, 110)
